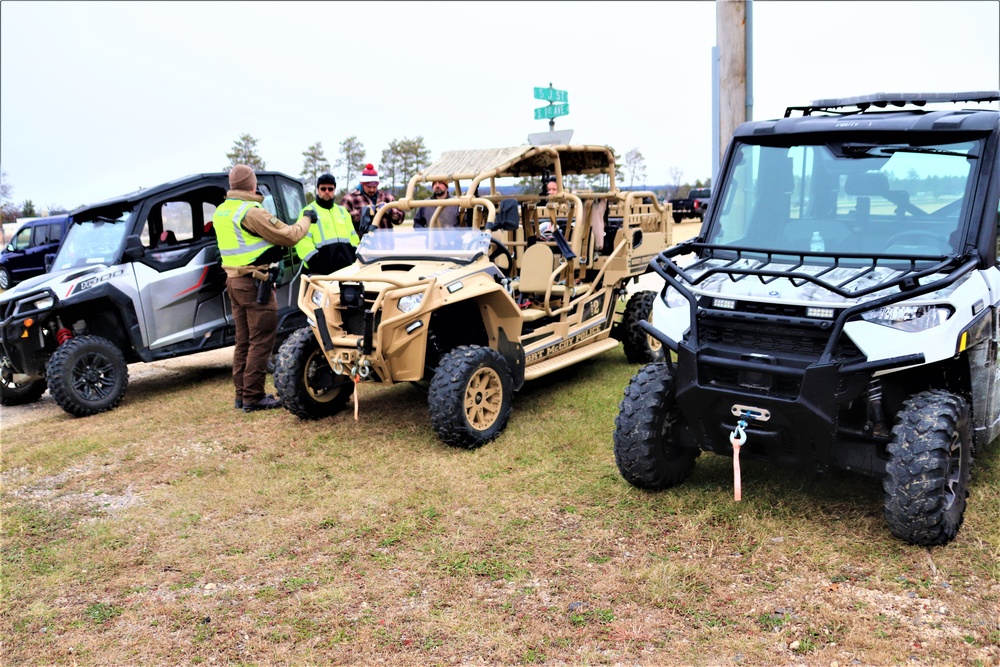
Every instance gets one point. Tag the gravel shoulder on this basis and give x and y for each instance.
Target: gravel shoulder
(13, 416)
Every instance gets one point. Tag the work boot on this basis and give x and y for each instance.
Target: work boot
(267, 403)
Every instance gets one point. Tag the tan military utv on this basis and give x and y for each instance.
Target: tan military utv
(524, 285)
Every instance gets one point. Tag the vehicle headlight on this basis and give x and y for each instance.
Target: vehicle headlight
(317, 298)
(411, 302)
(28, 306)
(908, 318)
(674, 299)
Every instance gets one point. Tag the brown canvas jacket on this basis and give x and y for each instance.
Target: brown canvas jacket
(262, 223)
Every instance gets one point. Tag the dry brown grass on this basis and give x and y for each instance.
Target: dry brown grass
(176, 530)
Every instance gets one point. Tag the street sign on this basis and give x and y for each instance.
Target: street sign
(554, 138)
(551, 111)
(550, 94)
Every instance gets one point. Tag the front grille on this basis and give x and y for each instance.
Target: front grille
(790, 346)
(354, 318)
(807, 344)
(354, 322)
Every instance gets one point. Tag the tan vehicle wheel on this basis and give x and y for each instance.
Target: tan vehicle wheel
(470, 396)
(640, 347)
(306, 385)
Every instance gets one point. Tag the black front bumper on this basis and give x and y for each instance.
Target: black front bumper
(24, 345)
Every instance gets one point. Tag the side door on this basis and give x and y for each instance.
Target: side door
(285, 198)
(16, 257)
(54, 231)
(180, 279)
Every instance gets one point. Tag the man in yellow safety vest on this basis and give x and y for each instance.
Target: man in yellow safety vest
(331, 240)
(250, 241)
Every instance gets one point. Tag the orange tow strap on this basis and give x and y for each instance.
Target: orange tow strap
(357, 379)
(736, 439)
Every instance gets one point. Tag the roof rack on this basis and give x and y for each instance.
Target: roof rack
(883, 100)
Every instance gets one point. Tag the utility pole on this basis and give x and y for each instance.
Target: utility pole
(735, 67)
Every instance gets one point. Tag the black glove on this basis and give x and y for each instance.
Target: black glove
(311, 214)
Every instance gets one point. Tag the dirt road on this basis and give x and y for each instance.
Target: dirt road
(17, 415)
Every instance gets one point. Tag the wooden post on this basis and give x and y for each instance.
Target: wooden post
(731, 36)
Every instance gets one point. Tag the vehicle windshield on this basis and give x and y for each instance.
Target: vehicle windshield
(459, 245)
(885, 199)
(95, 237)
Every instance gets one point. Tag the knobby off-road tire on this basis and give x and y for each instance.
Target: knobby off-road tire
(87, 375)
(645, 429)
(306, 385)
(640, 347)
(5, 278)
(927, 476)
(470, 396)
(14, 393)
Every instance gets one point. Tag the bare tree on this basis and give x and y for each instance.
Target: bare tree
(676, 174)
(352, 158)
(245, 152)
(635, 165)
(8, 210)
(314, 166)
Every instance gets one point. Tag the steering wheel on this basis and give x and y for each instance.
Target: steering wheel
(499, 250)
(934, 239)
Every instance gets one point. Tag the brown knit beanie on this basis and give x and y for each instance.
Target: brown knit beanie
(242, 178)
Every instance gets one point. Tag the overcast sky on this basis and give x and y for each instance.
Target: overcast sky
(101, 98)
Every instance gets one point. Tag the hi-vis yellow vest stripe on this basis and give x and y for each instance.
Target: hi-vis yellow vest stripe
(333, 226)
(237, 246)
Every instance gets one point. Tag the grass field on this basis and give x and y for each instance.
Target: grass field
(176, 530)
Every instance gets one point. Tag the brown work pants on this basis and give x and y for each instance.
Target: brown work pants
(256, 328)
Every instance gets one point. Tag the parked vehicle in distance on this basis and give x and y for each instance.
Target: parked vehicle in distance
(692, 206)
(24, 257)
(840, 309)
(137, 278)
(524, 286)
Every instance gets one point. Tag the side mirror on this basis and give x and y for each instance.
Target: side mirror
(133, 248)
(50, 259)
(10, 247)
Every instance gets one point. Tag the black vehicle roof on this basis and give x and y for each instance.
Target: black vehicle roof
(871, 114)
(210, 178)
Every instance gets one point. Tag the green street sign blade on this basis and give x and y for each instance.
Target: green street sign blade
(551, 95)
(551, 111)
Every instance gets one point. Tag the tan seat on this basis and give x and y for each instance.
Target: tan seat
(537, 268)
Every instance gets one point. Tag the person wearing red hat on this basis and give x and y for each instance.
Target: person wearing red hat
(369, 195)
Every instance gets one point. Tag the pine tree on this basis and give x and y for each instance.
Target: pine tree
(314, 166)
(352, 158)
(245, 152)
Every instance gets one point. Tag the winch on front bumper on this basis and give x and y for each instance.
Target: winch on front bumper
(740, 356)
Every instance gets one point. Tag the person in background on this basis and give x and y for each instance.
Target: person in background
(449, 214)
(331, 240)
(369, 195)
(549, 188)
(251, 241)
